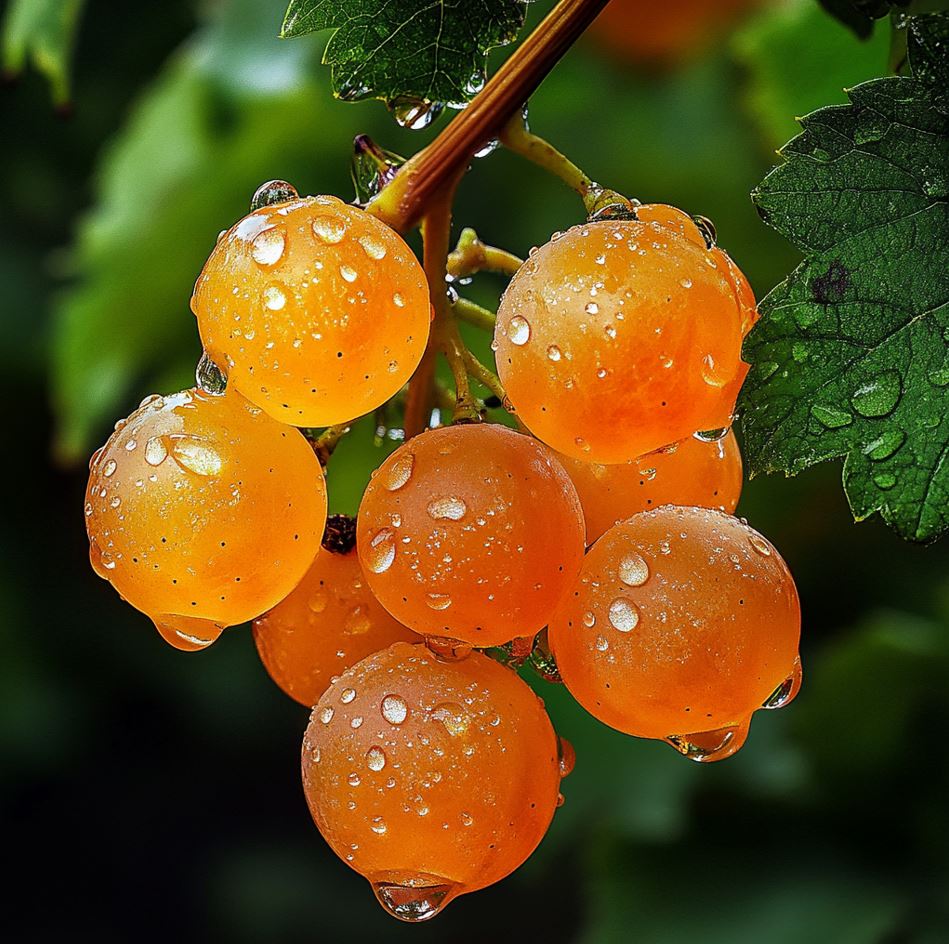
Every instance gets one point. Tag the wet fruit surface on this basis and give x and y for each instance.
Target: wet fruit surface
(430, 778)
(683, 621)
(695, 471)
(203, 512)
(472, 532)
(315, 310)
(619, 337)
(327, 624)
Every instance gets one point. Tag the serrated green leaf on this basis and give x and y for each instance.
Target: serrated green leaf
(851, 357)
(42, 31)
(396, 50)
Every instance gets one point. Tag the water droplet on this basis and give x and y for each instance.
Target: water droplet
(414, 900)
(381, 551)
(274, 298)
(553, 353)
(196, 456)
(155, 451)
(188, 633)
(601, 644)
(375, 758)
(880, 396)
(274, 191)
(830, 417)
(398, 300)
(329, 229)
(589, 619)
(518, 331)
(88, 510)
(378, 825)
(711, 745)
(317, 603)
(453, 717)
(711, 373)
(759, 544)
(348, 273)
(466, 818)
(108, 470)
(414, 113)
(399, 471)
(268, 246)
(884, 480)
(885, 445)
(711, 435)
(448, 649)
(623, 615)
(449, 508)
(357, 622)
(347, 695)
(438, 601)
(685, 283)
(566, 756)
(353, 779)
(209, 377)
(591, 308)
(394, 709)
(633, 570)
(372, 247)
(326, 714)
(785, 693)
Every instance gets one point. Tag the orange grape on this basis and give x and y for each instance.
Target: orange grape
(692, 472)
(430, 778)
(684, 621)
(473, 532)
(622, 336)
(327, 624)
(203, 512)
(316, 310)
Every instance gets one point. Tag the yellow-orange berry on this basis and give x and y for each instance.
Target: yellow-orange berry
(430, 778)
(472, 532)
(684, 621)
(203, 512)
(316, 310)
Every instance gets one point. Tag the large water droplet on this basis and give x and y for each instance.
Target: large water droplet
(519, 331)
(274, 191)
(196, 456)
(188, 633)
(438, 601)
(329, 229)
(830, 417)
(708, 746)
(375, 758)
(156, 451)
(880, 396)
(566, 756)
(633, 570)
(268, 246)
(372, 247)
(381, 551)
(449, 508)
(209, 377)
(711, 435)
(760, 544)
(414, 899)
(414, 113)
(394, 709)
(624, 615)
(785, 693)
(399, 472)
(885, 445)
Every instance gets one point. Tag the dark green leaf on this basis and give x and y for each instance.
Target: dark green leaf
(851, 357)
(42, 31)
(407, 50)
(860, 14)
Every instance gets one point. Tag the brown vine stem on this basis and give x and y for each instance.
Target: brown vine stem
(404, 201)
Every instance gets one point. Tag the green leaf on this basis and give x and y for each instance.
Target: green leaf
(42, 31)
(851, 357)
(405, 51)
(235, 108)
(796, 59)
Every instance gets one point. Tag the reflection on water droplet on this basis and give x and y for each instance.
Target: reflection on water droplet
(830, 417)
(274, 298)
(348, 273)
(633, 570)
(414, 113)
(438, 601)
(399, 472)
(108, 470)
(414, 899)
(566, 756)
(347, 695)
(518, 331)
(381, 551)
(759, 544)
(885, 445)
(394, 709)
(589, 619)
(274, 191)
(326, 714)
(553, 353)
(188, 633)
(196, 456)
(372, 247)
(708, 746)
(375, 758)
(448, 508)
(268, 247)
(453, 717)
(329, 229)
(711, 435)
(155, 451)
(378, 825)
(885, 480)
(623, 615)
(785, 693)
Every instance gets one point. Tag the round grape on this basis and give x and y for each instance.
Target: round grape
(472, 532)
(315, 310)
(203, 512)
(619, 337)
(695, 471)
(429, 778)
(684, 621)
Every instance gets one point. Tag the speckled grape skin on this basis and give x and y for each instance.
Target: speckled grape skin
(460, 791)
(203, 512)
(315, 310)
(711, 618)
(473, 532)
(619, 337)
(691, 472)
(328, 623)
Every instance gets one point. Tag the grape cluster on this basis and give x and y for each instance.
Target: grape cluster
(602, 526)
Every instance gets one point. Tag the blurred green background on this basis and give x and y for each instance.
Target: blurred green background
(151, 795)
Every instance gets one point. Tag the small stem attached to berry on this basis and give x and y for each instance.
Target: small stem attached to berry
(326, 442)
(467, 311)
(485, 377)
(471, 256)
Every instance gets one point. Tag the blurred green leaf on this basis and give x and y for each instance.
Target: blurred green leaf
(236, 107)
(859, 15)
(406, 51)
(851, 357)
(42, 31)
(797, 59)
